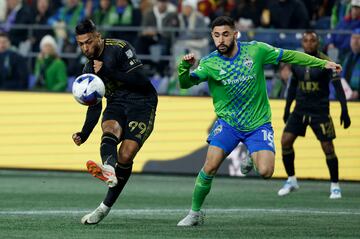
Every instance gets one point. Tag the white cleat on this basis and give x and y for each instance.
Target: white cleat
(288, 187)
(192, 219)
(246, 165)
(96, 216)
(335, 193)
(104, 172)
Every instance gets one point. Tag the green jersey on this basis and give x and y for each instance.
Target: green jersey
(238, 85)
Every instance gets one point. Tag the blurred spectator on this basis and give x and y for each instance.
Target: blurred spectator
(13, 68)
(349, 22)
(286, 14)
(248, 13)
(105, 16)
(64, 21)
(192, 23)
(340, 9)
(153, 40)
(2, 11)
(281, 83)
(17, 13)
(128, 16)
(50, 70)
(42, 14)
(351, 68)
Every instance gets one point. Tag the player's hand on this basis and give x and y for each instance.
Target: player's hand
(97, 65)
(333, 66)
(345, 118)
(77, 138)
(190, 58)
(286, 116)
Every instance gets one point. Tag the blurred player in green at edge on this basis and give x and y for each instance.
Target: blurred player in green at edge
(236, 81)
(310, 88)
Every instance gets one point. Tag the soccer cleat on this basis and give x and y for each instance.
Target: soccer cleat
(288, 187)
(192, 219)
(335, 193)
(246, 165)
(96, 216)
(104, 172)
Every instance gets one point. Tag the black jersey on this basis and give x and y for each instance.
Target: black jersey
(312, 88)
(122, 72)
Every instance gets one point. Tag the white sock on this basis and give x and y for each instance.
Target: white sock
(292, 179)
(334, 185)
(104, 207)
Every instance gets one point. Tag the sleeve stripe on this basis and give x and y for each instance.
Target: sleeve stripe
(280, 55)
(193, 74)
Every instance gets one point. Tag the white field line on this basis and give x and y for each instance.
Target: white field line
(178, 211)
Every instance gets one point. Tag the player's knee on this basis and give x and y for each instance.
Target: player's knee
(266, 172)
(125, 157)
(328, 147)
(210, 169)
(285, 142)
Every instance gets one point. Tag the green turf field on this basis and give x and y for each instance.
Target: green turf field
(51, 204)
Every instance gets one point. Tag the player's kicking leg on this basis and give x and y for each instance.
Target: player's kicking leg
(104, 172)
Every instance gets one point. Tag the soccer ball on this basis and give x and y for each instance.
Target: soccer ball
(88, 89)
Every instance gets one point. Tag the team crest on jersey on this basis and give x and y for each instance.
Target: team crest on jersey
(248, 62)
(217, 130)
(129, 54)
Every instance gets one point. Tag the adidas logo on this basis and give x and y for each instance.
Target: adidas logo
(222, 72)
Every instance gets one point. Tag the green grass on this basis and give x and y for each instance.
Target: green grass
(51, 204)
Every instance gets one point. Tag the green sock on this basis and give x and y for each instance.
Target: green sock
(202, 188)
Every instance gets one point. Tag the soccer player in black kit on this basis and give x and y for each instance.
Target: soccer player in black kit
(128, 117)
(310, 88)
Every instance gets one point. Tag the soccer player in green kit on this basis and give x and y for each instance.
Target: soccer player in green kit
(235, 76)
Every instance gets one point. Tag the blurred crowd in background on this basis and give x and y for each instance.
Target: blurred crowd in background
(38, 50)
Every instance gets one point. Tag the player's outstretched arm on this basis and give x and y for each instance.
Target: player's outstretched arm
(184, 71)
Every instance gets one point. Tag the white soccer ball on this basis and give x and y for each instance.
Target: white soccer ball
(88, 89)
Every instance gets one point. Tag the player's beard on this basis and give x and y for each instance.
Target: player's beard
(95, 53)
(224, 49)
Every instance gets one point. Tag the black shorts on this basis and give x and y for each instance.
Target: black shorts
(321, 125)
(136, 116)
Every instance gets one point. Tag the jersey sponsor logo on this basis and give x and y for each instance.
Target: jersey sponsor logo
(309, 86)
(129, 53)
(237, 80)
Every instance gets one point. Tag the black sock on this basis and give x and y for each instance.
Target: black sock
(332, 163)
(108, 149)
(288, 156)
(123, 173)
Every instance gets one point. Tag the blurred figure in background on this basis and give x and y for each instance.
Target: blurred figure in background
(248, 13)
(281, 83)
(286, 14)
(340, 9)
(105, 16)
(153, 40)
(310, 88)
(42, 14)
(349, 22)
(50, 70)
(128, 16)
(17, 13)
(13, 67)
(351, 68)
(65, 19)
